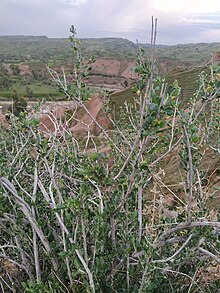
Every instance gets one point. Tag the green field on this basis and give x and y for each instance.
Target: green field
(39, 90)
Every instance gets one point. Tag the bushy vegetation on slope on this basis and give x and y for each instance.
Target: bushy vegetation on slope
(77, 216)
(32, 53)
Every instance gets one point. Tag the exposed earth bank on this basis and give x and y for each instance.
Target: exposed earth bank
(110, 73)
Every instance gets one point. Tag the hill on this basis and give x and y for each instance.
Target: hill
(16, 49)
(23, 59)
(35, 48)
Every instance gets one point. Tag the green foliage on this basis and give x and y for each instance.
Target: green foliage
(29, 92)
(51, 285)
(19, 49)
(5, 81)
(82, 220)
(15, 69)
(19, 104)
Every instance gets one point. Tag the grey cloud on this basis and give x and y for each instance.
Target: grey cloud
(98, 18)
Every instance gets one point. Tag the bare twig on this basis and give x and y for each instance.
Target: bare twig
(176, 253)
(140, 199)
(99, 193)
(209, 254)
(182, 226)
(25, 208)
(189, 177)
(166, 153)
(143, 279)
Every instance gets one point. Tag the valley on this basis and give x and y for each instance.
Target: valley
(23, 63)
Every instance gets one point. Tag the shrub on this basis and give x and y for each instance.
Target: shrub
(19, 104)
(71, 220)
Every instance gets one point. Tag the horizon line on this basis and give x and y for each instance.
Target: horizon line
(99, 38)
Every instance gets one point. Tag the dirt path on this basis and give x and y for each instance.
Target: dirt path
(50, 105)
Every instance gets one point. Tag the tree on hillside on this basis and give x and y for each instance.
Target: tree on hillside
(19, 104)
(5, 81)
(29, 92)
(15, 68)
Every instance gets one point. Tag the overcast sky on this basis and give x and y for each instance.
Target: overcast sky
(179, 21)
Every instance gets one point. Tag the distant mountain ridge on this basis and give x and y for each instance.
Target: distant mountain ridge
(22, 37)
(30, 48)
(21, 48)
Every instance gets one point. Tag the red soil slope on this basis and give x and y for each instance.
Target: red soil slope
(56, 122)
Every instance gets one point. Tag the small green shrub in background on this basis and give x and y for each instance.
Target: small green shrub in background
(19, 104)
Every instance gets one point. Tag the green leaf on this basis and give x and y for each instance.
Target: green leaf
(169, 89)
(146, 133)
(175, 84)
(95, 156)
(163, 124)
(183, 113)
(195, 138)
(217, 84)
(216, 68)
(153, 107)
(63, 253)
(144, 165)
(81, 171)
(60, 206)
